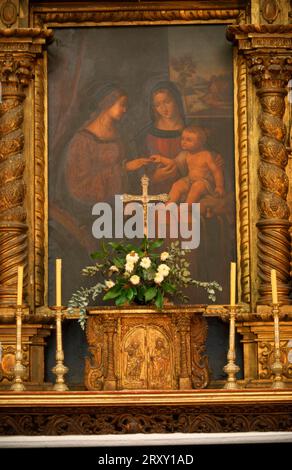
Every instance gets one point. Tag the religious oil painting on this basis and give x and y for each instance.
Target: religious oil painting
(129, 101)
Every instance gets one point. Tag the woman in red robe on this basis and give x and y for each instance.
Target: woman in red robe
(163, 135)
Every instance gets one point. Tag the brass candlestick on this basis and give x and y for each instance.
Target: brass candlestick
(59, 369)
(231, 368)
(19, 368)
(277, 366)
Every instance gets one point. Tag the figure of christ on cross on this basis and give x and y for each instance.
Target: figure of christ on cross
(145, 198)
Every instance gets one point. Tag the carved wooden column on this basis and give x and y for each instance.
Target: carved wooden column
(15, 74)
(110, 379)
(19, 51)
(271, 75)
(267, 49)
(183, 327)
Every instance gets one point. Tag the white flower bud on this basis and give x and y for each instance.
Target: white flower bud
(135, 279)
(145, 262)
(109, 284)
(164, 256)
(158, 278)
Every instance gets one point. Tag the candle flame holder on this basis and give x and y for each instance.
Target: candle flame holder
(231, 369)
(59, 369)
(19, 368)
(277, 366)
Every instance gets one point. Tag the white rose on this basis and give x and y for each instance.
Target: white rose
(109, 284)
(132, 257)
(145, 262)
(129, 267)
(164, 256)
(164, 269)
(158, 278)
(135, 279)
(113, 268)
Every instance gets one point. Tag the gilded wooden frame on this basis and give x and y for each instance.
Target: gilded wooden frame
(41, 17)
(53, 16)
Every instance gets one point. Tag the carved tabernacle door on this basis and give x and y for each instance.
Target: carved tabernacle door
(147, 359)
(141, 348)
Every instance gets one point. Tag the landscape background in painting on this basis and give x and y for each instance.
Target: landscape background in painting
(86, 64)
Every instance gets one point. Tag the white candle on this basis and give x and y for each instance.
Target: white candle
(58, 282)
(19, 284)
(274, 286)
(232, 283)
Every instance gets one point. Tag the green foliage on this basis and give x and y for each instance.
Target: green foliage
(139, 275)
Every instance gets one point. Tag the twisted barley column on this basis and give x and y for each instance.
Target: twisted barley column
(39, 213)
(271, 75)
(244, 228)
(15, 75)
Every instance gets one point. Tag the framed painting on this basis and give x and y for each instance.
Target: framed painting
(119, 98)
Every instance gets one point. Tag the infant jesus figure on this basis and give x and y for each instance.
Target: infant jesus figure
(204, 176)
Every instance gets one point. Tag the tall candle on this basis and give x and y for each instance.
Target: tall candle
(232, 283)
(58, 282)
(19, 284)
(274, 286)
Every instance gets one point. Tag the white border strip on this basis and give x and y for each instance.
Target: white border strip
(125, 440)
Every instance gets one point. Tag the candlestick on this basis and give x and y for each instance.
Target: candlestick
(19, 284)
(274, 286)
(59, 369)
(232, 283)
(58, 282)
(277, 366)
(19, 368)
(231, 368)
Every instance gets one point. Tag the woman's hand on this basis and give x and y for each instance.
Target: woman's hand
(136, 164)
(161, 160)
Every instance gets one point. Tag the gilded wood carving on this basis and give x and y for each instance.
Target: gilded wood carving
(16, 72)
(18, 51)
(146, 350)
(125, 419)
(271, 72)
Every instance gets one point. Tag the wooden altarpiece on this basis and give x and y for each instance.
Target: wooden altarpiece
(261, 33)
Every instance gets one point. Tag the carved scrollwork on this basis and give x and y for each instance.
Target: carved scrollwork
(94, 373)
(267, 358)
(8, 362)
(199, 361)
(150, 419)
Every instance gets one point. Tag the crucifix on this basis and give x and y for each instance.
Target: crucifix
(145, 198)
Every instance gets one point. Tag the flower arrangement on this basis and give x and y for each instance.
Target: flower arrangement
(139, 275)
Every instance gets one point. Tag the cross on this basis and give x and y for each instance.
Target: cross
(145, 198)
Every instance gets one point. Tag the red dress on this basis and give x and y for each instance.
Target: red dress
(166, 143)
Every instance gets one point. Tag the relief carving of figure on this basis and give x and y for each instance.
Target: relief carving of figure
(160, 361)
(134, 361)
